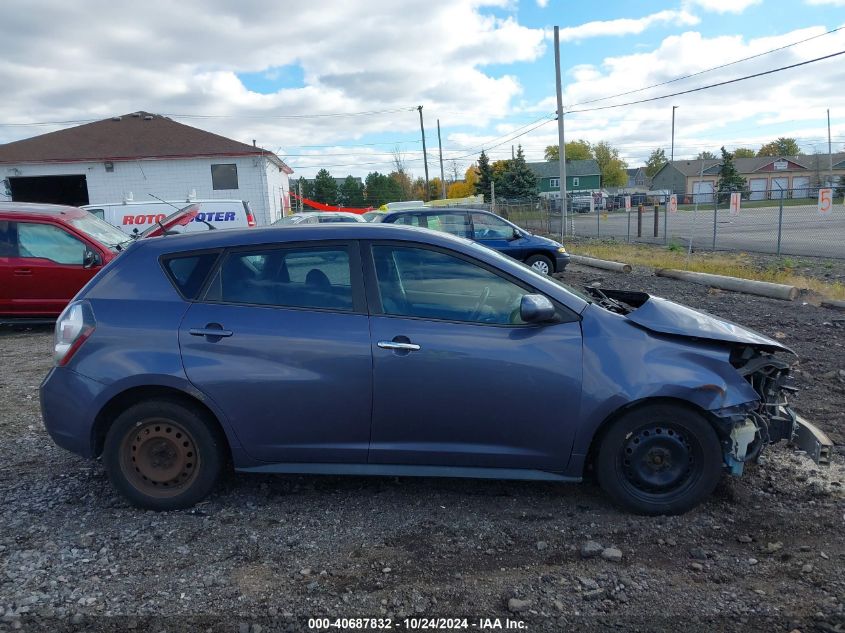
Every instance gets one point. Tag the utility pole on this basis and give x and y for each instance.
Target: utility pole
(672, 151)
(560, 137)
(442, 177)
(829, 150)
(425, 155)
(512, 154)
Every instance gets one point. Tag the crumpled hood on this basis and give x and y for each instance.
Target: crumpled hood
(667, 317)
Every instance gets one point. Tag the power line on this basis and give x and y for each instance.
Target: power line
(702, 72)
(715, 85)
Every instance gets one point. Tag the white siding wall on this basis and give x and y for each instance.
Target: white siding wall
(259, 180)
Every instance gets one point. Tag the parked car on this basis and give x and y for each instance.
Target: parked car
(373, 349)
(318, 217)
(135, 217)
(369, 216)
(542, 254)
(48, 252)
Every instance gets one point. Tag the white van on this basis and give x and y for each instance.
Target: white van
(136, 217)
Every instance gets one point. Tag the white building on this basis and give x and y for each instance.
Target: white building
(138, 154)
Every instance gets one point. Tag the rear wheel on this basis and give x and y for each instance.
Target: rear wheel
(163, 455)
(541, 264)
(660, 459)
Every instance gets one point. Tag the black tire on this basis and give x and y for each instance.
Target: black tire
(163, 455)
(538, 261)
(659, 459)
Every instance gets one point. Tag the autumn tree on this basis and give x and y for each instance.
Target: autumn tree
(485, 177)
(655, 162)
(729, 178)
(783, 146)
(575, 150)
(351, 193)
(706, 155)
(403, 181)
(744, 152)
(325, 188)
(612, 167)
(466, 187)
(518, 181)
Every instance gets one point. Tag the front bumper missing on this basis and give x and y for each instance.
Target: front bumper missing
(813, 441)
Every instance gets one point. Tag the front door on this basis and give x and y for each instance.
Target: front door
(281, 343)
(459, 379)
(497, 234)
(48, 269)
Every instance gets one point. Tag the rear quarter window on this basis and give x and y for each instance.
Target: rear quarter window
(189, 272)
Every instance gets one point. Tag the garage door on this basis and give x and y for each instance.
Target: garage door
(758, 188)
(702, 192)
(779, 187)
(801, 187)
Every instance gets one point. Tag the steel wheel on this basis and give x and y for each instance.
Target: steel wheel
(657, 459)
(159, 458)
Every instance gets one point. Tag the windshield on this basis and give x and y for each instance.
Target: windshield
(291, 219)
(100, 230)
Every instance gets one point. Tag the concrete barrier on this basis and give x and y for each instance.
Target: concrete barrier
(601, 263)
(748, 286)
(834, 304)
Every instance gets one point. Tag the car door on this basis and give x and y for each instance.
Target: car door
(459, 379)
(495, 233)
(453, 222)
(48, 269)
(281, 342)
(8, 253)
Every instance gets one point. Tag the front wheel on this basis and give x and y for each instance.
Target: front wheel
(660, 459)
(163, 455)
(541, 264)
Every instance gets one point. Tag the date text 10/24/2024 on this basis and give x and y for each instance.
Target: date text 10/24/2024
(416, 624)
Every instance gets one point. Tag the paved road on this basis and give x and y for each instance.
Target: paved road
(803, 232)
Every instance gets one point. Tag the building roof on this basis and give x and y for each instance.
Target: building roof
(751, 165)
(551, 169)
(129, 137)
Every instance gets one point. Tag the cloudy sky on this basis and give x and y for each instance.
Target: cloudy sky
(336, 85)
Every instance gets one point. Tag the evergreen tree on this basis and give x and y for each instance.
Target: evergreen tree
(485, 177)
(518, 181)
(307, 188)
(325, 188)
(729, 177)
(381, 189)
(351, 193)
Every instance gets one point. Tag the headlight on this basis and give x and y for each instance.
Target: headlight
(561, 250)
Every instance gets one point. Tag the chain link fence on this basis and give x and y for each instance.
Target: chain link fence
(772, 221)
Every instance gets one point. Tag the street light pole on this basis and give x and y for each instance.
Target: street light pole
(672, 151)
(561, 157)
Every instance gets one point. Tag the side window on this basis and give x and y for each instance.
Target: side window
(224, 176)
(189, 272)
(46, 241)
(8, 242)
(410, 219)
(98, 212)
(454, 223)
(489, 227)
(417, 282)
(317, 277)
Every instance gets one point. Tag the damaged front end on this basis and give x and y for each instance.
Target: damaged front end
(747, 429)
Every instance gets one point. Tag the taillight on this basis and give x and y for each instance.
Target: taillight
(250, 219)
(73, 328)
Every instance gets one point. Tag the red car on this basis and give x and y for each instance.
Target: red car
(48, 252)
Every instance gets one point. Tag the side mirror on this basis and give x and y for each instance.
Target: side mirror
(516, 234)
(91, 259)
(536, 309)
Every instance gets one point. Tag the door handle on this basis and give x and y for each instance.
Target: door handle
(405, 347)
(210, 331)
(22, 272)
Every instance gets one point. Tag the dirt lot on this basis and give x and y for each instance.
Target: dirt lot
(767, 553)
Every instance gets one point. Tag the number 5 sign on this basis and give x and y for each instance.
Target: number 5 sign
(825, 201)
(673, 203)
(735, 202)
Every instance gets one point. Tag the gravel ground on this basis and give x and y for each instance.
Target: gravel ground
(766, 553)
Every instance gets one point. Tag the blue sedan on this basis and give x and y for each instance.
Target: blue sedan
(385, 350)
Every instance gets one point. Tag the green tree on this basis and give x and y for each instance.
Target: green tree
(783, 146)
(325, 187)
(744, 152)
(485, 177)
(612, 167)
(655, 162)
(403, 181)
(575, 150)
(518, 181)
(706, 155)
(381, 189)
(306, 187)
(729, 178)
(351, 193)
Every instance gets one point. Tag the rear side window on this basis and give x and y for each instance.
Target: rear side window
(188, 272)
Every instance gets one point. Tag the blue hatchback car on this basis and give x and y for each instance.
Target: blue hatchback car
(542, 254)
(386, 350)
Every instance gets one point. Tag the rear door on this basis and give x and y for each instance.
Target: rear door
(281, 343)
(48, 269)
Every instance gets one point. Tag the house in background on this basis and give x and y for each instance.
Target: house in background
(581, 175)
(767, 177)
(140, 154)
(637, 180)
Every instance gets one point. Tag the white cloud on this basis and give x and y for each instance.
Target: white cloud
(725, 6)
(627, 26)
(833, 3)
(542, 3)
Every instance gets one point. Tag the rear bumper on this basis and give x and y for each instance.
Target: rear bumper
(813, 441)
(67, 402)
